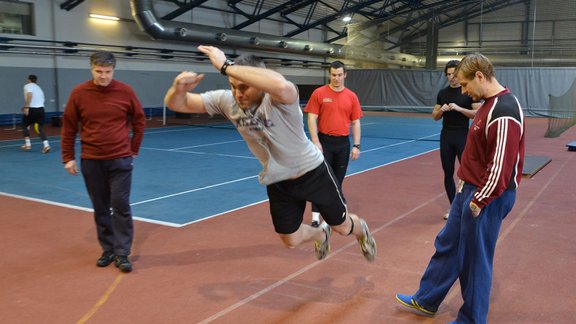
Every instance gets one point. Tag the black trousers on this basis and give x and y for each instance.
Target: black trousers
(452, 143)
(336, 150)
(108, 183)
(35, 116)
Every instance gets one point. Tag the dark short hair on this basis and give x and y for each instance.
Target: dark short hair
(250, 60)
(450, 64)
(32, 78)
(103, 58)
(336, 65)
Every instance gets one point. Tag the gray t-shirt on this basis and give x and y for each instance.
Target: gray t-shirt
(274, 133)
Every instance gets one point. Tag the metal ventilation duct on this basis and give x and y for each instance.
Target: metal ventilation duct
(143, 13)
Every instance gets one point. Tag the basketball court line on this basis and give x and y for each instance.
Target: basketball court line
(69, 206)
(181, 150)
(204, 145)
(392, 162)
(222, 213)
(399, 143)
(147, 131)
(192, 190)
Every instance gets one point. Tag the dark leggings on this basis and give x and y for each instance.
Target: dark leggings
(452, 142)
(35, 116)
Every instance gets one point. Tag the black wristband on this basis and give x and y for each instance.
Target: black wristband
(356, 146)
(226, 64)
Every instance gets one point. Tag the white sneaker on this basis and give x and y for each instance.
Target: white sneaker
(322, 248)
(367, 242)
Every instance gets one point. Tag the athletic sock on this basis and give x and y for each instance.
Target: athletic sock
(316, 217)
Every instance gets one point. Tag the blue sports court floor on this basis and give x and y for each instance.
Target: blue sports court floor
(184, 174)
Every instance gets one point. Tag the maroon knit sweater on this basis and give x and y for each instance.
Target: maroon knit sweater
(104, 116)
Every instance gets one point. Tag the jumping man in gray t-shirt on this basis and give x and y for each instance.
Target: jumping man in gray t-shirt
(265, 109)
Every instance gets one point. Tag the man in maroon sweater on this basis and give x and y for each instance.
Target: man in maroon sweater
(490, 172)
(103, 110)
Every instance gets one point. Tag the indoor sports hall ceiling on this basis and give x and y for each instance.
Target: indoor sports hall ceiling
(406, 20)
(422, 30)
(378, 31)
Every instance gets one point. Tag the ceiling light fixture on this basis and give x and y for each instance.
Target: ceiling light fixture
(95, 16)
(346, 19)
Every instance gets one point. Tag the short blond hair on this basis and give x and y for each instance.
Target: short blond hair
(473, 63)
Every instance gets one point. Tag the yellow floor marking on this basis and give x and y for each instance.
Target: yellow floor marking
(101, 301)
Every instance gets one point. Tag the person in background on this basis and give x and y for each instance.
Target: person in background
(33, 114)
(455, 109)
(104, 111)
(490, 173)
(265, 109)
(331, 109)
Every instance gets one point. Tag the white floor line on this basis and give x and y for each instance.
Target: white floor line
(399, 143)
(251, 157)
(53, 203)
(192, 190)
(392, 162)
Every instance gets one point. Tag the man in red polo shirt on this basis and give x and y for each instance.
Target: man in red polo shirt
(331, 110)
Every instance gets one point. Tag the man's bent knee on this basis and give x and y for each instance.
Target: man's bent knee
(288, 240)
(347, 227)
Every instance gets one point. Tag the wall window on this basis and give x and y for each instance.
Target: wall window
(16, 17)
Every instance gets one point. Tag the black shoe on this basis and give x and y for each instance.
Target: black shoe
(122, 263)
(315, 224)
(105, 259)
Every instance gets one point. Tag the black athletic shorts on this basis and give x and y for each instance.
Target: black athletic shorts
(288, 199)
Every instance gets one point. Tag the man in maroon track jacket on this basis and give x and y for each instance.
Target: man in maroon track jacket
(490, 172)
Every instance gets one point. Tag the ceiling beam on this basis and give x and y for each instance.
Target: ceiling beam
(467, 13)
(286, 7)
(331, 17)
(183, 9)
(70, 4)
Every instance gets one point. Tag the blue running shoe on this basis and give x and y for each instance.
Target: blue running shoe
(409, 302)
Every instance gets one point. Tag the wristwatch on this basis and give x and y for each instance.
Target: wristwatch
(226, 64)
(356, 146)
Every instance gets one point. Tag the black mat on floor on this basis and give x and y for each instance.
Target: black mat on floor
(533, 164)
